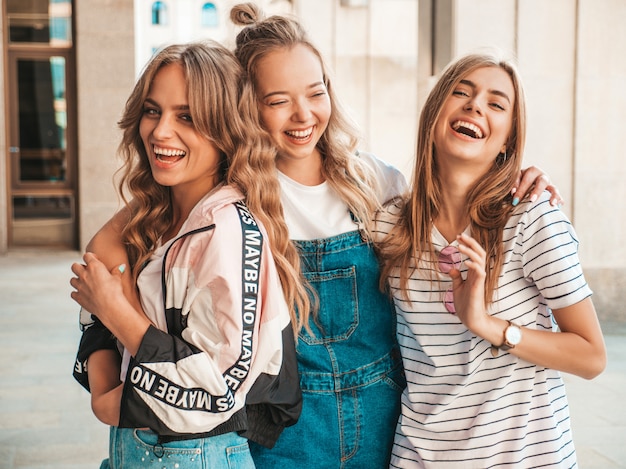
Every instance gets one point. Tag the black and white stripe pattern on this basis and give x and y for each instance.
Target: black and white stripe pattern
(463, 407)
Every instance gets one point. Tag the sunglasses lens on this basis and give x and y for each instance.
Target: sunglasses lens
(448, 301)
(449, 258)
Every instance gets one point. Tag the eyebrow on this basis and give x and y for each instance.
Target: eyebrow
(472, 85)
(311, 86)
(180, 107)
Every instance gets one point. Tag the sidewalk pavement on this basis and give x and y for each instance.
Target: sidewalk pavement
(45, 416)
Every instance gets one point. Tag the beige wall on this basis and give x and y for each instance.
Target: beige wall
(105, 77)
(4, 188)
(599, 142)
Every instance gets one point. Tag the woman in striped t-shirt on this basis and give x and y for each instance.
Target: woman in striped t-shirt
(490, 297)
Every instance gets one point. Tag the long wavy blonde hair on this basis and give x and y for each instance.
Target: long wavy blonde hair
(353, 180)
(221, 106)
(488, 201)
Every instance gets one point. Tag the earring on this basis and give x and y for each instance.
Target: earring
(501, 159)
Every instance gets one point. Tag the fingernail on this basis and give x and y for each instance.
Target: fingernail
(533, 198)
(121, 268)
(515, 201)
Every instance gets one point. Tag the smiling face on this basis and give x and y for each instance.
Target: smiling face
(477, 117)
(293, 102)
(180, 157)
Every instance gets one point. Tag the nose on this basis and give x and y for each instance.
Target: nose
(163, 128)
(473, 105)
(301, 111)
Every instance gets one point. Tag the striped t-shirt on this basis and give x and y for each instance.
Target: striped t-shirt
(462, 407)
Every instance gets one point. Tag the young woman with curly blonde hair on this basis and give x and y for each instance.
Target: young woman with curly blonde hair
(191, 350)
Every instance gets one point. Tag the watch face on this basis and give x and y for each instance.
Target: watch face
(513, 335)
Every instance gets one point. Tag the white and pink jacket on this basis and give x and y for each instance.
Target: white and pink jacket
(220, 356)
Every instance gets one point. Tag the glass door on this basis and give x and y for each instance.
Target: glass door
(41, 123)
(42, 160)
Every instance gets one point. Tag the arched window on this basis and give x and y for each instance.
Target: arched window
(159, 13)
(209, 15)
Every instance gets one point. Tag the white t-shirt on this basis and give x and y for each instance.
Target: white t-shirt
(463, 407)
(317, 212)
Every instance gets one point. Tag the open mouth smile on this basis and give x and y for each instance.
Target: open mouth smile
(299, 134)
(467, 128)
(166, 155)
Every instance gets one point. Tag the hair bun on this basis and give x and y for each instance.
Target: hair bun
(245, 14)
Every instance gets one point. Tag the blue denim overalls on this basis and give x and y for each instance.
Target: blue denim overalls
(350, 369)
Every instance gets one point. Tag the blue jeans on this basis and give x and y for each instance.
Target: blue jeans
(350, 369)
(130, 448)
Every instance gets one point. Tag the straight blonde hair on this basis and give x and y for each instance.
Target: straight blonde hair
(488, 202)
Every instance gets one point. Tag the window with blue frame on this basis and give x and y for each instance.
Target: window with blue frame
(209, 16)
(159, 13)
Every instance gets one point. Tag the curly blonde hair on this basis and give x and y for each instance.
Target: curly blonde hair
(489, 201)
(346, 173)
(221, 107)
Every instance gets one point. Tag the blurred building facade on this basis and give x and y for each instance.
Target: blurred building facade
(68, 66)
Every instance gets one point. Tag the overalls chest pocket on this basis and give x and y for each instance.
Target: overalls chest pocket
(338, 313)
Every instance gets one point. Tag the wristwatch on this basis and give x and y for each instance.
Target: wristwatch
(512, 337)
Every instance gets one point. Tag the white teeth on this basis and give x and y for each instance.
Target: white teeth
(300, 133)
(167, 152)
(468, 125)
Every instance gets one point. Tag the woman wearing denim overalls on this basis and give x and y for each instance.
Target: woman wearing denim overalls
(350, 370)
